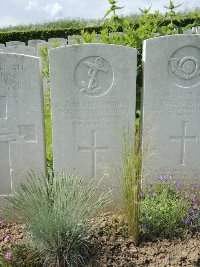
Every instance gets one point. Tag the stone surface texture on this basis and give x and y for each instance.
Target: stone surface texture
(22, 142)
(20, 49)
(93, 104)
(171, 108)
(11, 43)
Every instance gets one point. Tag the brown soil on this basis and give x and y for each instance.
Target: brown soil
(112, 246)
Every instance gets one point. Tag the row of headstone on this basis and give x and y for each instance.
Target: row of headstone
(34, 46)
(19, 49)
(93, 105)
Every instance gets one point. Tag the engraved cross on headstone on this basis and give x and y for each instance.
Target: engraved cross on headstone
(23, 133)
(93, 149)
(26, 134)
(183, 138)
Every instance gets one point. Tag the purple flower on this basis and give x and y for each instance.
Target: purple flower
(8, 256)
(194, 200)
(6, 238)
(154, 194)
(144, 225)
(163, 178)
(191, 212)
(196, 186)
(178, 185)
(186, 220)
(141, 194)
(2, 222)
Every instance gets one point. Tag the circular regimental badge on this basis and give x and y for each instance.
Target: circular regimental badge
(94, 76)
(184, 66)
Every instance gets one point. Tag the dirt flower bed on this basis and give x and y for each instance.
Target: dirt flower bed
(111, 246)
(115, 248)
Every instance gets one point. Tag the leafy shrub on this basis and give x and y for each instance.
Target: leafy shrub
(44, 34)
(55, 211)
(166, 209)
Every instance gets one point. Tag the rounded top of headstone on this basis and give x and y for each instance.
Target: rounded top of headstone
(91, 46)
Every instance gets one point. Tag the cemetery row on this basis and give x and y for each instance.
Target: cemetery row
(33, 48)
(93, 96)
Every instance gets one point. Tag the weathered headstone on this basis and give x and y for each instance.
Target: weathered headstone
(73, 39)
(22, 143)
(20, 49)
(33, 43)
(171, 108)
(93, 103)
(98, 36)
(2, 46)
(190, 31)
(117, 33)
(11, 43)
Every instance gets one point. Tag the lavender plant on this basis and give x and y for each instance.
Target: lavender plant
(167, 210)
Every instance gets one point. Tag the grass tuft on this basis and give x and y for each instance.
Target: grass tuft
(55, 211)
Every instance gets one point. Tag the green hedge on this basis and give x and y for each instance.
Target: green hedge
(24, 36)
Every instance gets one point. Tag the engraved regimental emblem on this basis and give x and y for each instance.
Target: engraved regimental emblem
(184, 66)
(94, 76)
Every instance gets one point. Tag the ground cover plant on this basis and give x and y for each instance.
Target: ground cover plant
(167, 210)
(55, 211)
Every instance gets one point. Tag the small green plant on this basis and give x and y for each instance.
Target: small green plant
(48, 126)
(172, 14)
(88, 37)
(115, 21)
(174, 18)
(21, 256)
(47, 102)
(132, 180)
(166, 209)
(55, 211)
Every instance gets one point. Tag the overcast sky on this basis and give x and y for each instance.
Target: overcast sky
(13, 12)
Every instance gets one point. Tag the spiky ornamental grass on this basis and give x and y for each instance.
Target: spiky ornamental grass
(55, 211)
(132, 180)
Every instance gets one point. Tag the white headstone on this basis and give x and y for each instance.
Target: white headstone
(19, 49)
(2, 46)
(171, 108)
(60, 41)
(22, 143)
(72, 39)
(11, 43)
(98, 36)
(193, 30)
(1, 50)
(93, 102)
(33, 43)
(117, 33)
